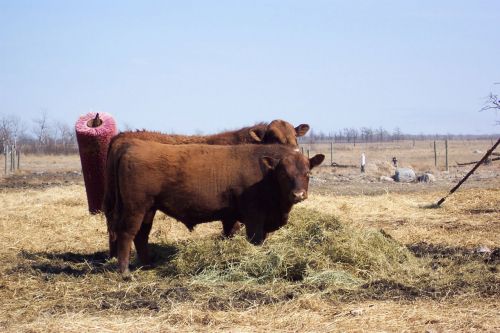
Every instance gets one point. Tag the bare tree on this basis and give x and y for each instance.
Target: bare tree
(66, 135)
(353, 133)
(339, 136)
(11, 128)
(5, 133)
(367, 134)
(396, 134)
(41, 129)
(381, 133)
(347, 134)
(492, 103)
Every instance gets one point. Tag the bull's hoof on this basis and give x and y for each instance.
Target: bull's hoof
(126, 275)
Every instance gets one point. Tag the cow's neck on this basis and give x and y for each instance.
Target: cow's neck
(275, 197)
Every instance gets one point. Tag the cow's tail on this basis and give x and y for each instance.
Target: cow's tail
(112, 199)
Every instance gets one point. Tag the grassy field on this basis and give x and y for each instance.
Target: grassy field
(416, 154)
(347, 261)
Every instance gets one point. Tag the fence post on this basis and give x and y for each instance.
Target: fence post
(446, 149)
(6, 153)
(19, 159)
(12, 159)
(435, 155)
(308, 153)
(331, 153)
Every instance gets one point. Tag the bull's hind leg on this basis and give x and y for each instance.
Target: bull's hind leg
(113, 246)
(131, 225)
(141, 239)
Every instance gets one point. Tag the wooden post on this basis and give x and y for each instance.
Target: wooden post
(12, 156)
(96, 121)
(5, 157)
(435, 155)
(308, 153)
(331, 152)
(302, 149)
(488, 153)
(18, 159)
(446, 148)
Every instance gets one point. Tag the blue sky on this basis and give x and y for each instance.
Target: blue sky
(205, 66)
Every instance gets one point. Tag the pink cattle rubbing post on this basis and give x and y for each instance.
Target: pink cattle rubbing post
(93, 133)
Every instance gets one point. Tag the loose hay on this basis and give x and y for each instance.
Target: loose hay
(313, 246)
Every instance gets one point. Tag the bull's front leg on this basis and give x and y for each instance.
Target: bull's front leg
(230, 227)
(254, 226)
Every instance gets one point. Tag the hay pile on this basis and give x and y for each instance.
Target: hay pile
(315, 249)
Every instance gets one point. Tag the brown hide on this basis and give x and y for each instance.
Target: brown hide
(240, 136)
(255, 184)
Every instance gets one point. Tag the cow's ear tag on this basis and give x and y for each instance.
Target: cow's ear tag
(269, 162)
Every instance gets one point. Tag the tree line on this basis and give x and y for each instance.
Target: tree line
(43, 135)
(372, 135)
(40, 136)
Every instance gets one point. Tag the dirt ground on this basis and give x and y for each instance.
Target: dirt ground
(48, 194)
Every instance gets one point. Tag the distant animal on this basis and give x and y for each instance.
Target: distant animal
(277, 131)
(254, 184)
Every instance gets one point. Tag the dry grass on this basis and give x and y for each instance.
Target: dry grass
(307, 315)
(308, 276)
(468, 218)
(419, 156)
(43, 163)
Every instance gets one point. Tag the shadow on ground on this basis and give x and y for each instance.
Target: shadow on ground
(80, 264)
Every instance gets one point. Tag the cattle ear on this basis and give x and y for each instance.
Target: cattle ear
(257, 134)
(316, 160)
(269, 163)
(301, 130)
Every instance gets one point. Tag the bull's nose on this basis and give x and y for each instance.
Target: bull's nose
(299, 195)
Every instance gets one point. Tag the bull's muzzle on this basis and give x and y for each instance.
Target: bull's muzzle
(298, 196)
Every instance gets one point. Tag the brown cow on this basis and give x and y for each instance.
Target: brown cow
(254, 184)
(278, 131)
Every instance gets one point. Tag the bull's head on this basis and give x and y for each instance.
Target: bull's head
(292, 174)
(279, 131)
